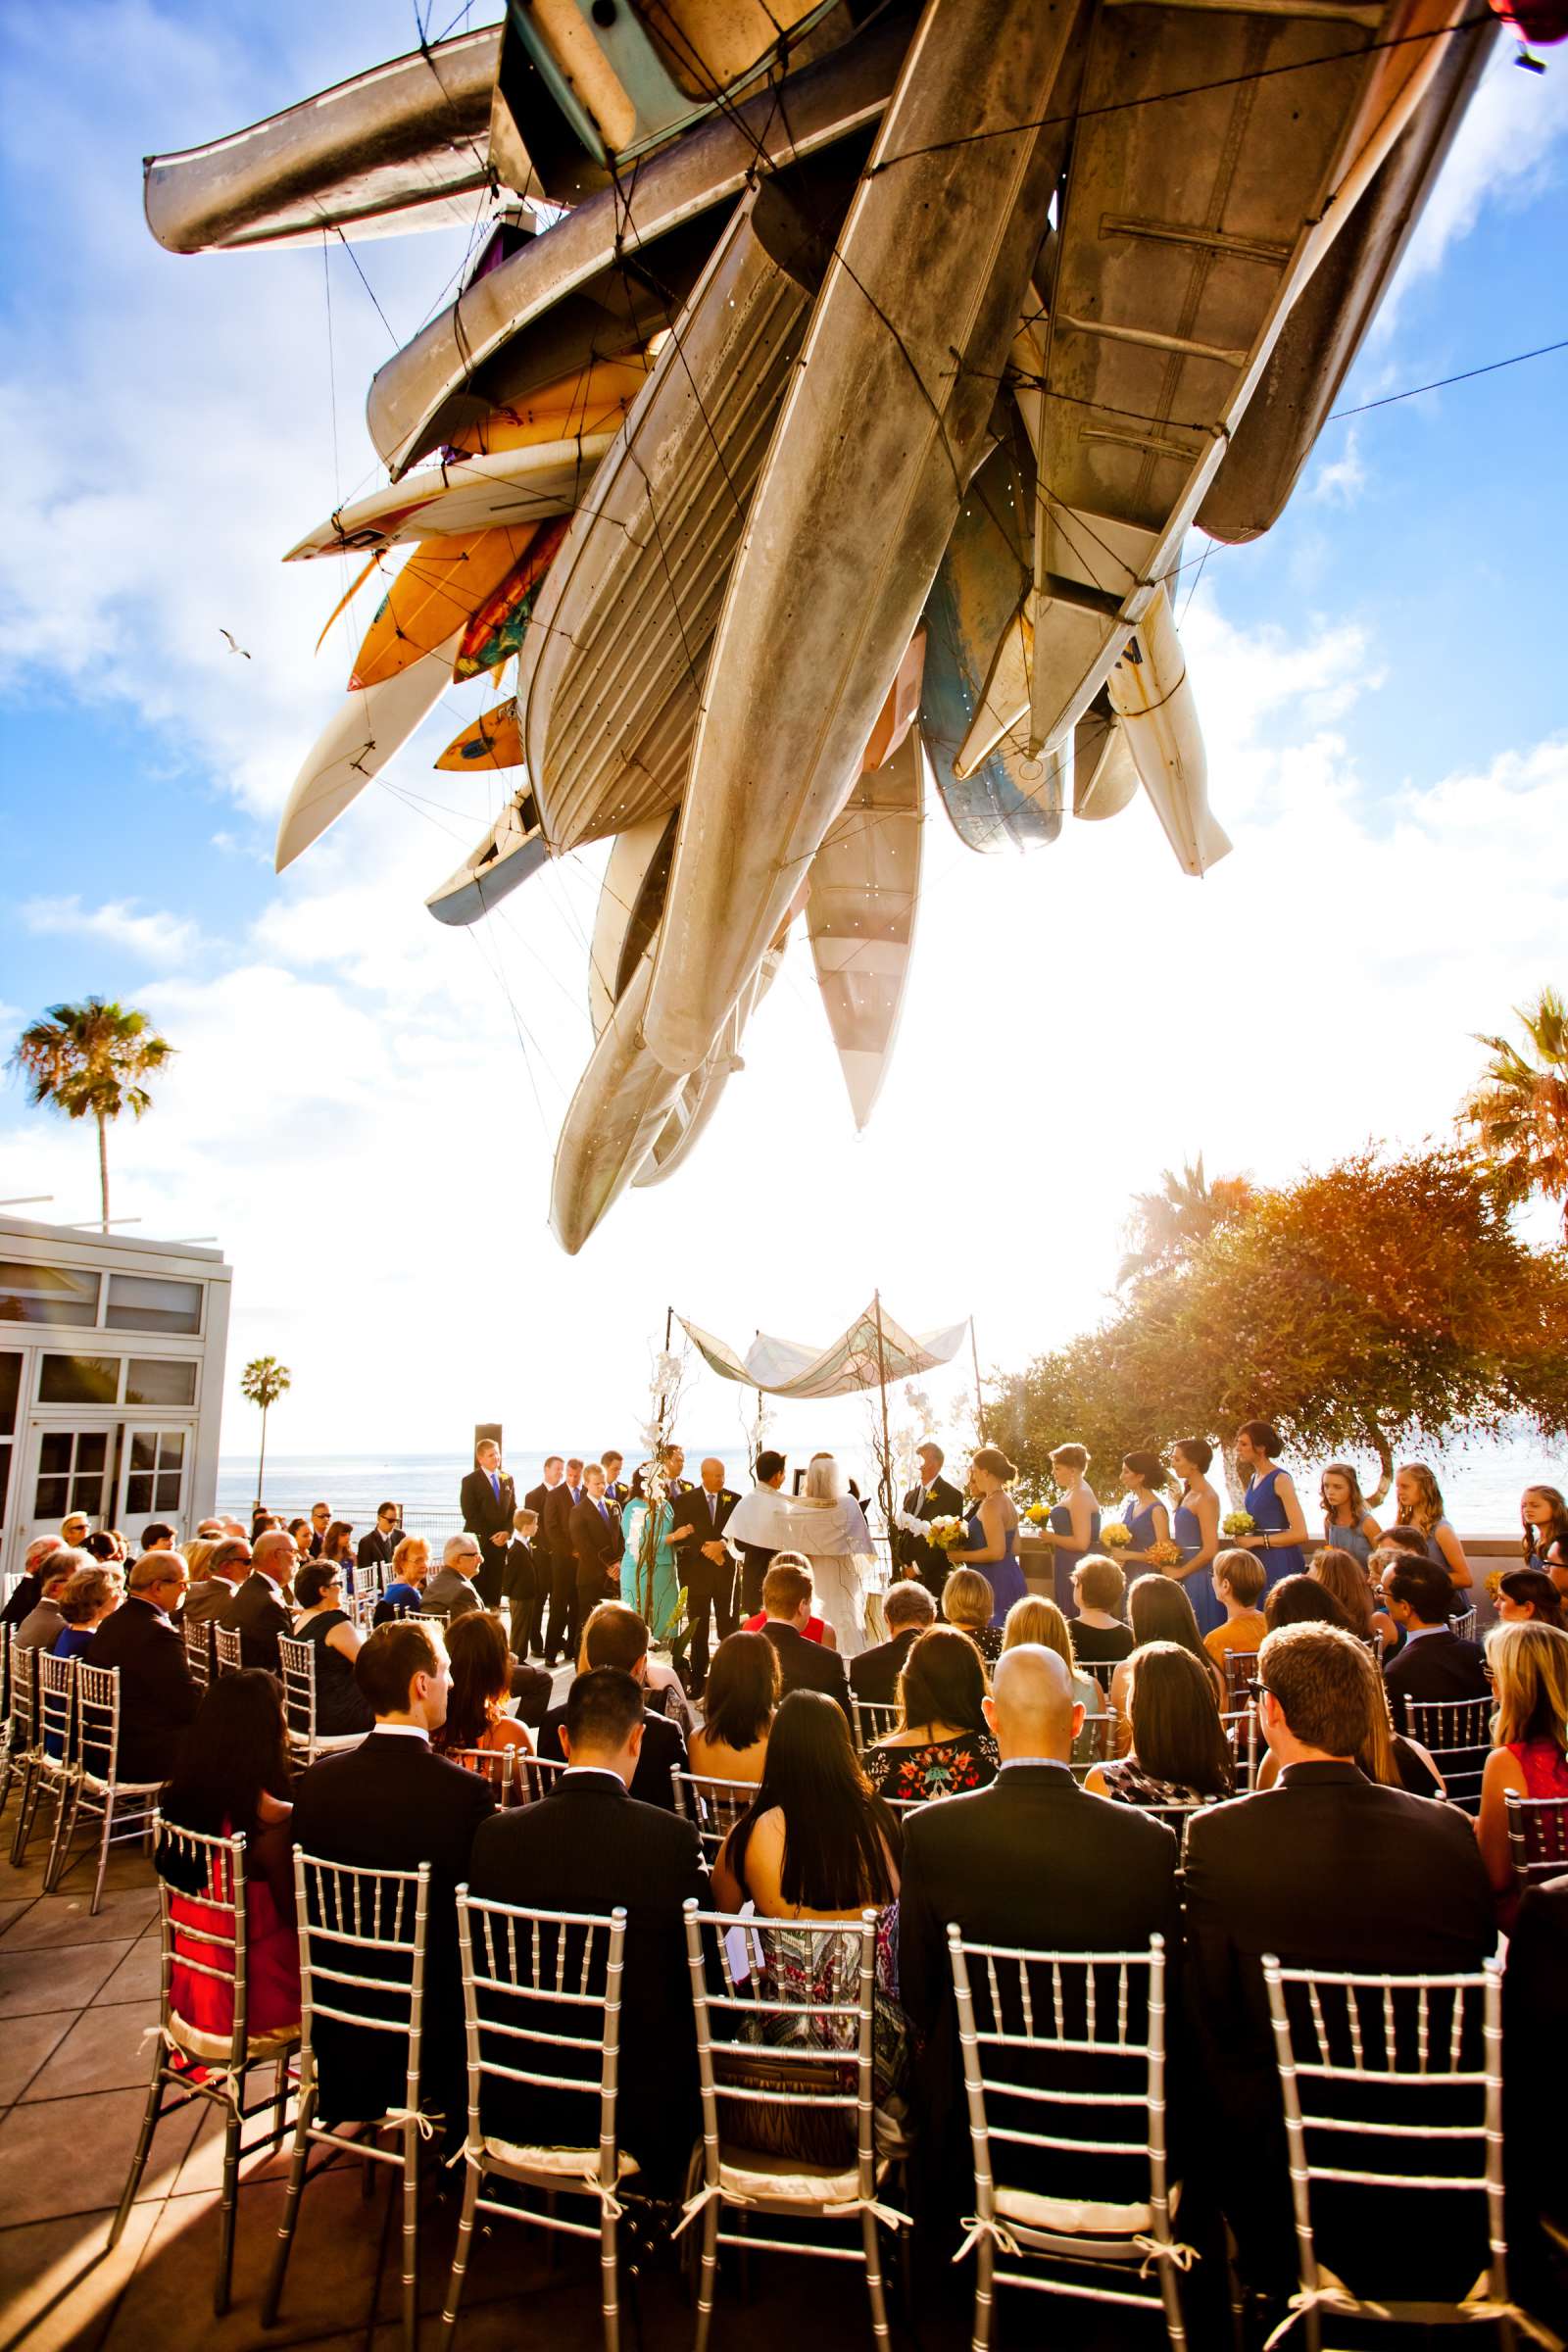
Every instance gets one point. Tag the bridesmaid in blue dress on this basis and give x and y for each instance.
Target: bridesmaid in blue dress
(1347, 1524)
(1196, 1528)
(1420, 1501)
(1272, 1499)
(1143, 1514)
(1074, 1521)
(993, 1524)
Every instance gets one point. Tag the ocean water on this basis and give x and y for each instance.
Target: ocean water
(1481, 1484)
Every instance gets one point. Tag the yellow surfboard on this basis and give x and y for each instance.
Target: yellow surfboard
(493, 741)
(594, 399)
(439, 589)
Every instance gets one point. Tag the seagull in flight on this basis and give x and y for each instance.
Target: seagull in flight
(233, 647)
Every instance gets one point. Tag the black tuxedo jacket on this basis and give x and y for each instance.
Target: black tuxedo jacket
(597, 1545)
(707, 1525)
(874, 1673)
(1437, 1666)
(390, 1804)
(1534, 2090)
(556, 1523)
(927, 1560)
(374, 1550)
(590, 1846)
(157, 1696)
(523, 1564)
(663, 1752)
(257, 1618)
(535, 1501)
(807, 1665)
(485, 1515)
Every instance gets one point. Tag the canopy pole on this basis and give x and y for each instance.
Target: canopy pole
(887, 1442)
(979, 1401)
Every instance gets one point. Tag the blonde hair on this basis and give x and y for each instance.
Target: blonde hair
(406, 1552)
(967, 1599)
(1037, 1619)
(1343, 1577)
(1243, 1573)
(197, 1554)
(1376, 1755)
(1530, 1669)
(1099, 1584)
(1075, 1457)
(1428, 1509)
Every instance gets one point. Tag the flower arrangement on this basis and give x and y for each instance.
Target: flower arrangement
(1038, 1515)
(1238, 1523)
(945, 1533)
(1165, 1555)
(1116, 1534)
(1493, 1584)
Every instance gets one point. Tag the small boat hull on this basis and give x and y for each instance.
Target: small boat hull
(864, 891)
(519, 488)
(1104, 778)
(356, 745)
(1152, 696)
(514, 849)
(438, 589)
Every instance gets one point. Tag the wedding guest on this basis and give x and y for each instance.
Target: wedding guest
(320, 1521)
(993, 1531)
(257, 1612)
(337, 1544)
(103, 1547)
(300, 1536)
(943, 1746)
(1433, 1662)
(817, 1841)
(410, 1567)
(479, 1701)
(650, 1579)
(1529, 1738)
(933, 1498)
(906, 1610)
(1329, 1871)
(158, 1535)
(45, 1622)
(1179, 1754)
(590, 1846)
(525, 1583)
(1143, 1514)
(744, 1689)
(1271, 1500)
(804, 1665)
(216, 1572)
(158, 1699)
(617, 1637)
(756, 1558)
(1303, 1601)
(341, 1706)
(1525, 1593)
(1347, 1524)
(91, 1595)
(1159, 1611)
(707, 1569)
(1385, 1755)
(1195, 1526)
(73, 1529)
(969, 1602)
(817, 1629)
(378, 1544)
(1544, 1543)
(1420, 1501)
(233, 1781)
(1038, 1622)
(453, 1589)
(1238, 1582)
(390, 1804)
(488, 1499)
(560, 1503)
(1073, 1519)
(29, 1584)
(596, 1543)
(1099, 1633)
(1344, 1579)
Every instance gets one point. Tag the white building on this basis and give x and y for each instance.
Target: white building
(111, 1381)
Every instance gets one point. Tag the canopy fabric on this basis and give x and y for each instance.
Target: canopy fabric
(847, 1364)
(822, 1530)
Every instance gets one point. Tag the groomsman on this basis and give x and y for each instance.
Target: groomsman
(598, 1543)
(536, 1500)
(707, 1569)
(935, 1498)
(488, 1502)
(673, 1460)
(555, 1527)
(756, 1559)
(616, 1490)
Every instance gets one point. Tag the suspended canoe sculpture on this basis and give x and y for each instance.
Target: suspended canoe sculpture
(832, 396)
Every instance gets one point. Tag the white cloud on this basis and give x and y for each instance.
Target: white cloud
(1341, 481)
(158, 938)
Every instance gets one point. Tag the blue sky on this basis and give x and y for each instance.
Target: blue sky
(1381, 690)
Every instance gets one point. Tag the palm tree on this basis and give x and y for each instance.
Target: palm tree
(264, 1381)
(1167, 1226)
(90, 1059)
(1520, 1109)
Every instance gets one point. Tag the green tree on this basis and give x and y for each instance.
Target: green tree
(1519, 1112)
(264, 1381)
(1380, 1301)
(89, 1060)
(1166, 1227)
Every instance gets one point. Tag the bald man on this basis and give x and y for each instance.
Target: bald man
(706, 1568)
(257, 1612)
(1030, 1860)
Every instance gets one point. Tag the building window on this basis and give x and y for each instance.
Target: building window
(156, 1474)
(139, 1303)
(10, 1398)
(72, 1468)
(160, 1379)
(47, 1295)
(78, 1380)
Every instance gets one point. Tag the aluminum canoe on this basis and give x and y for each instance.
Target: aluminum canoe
(356, 744)
(610, 674)
(1103, 775)
(703, 1090)
(882, 424)
(631, 904)
(460, 494)
(1152, 696)
(514, 849)
(859, 912)
(403, 146)
(418, 398)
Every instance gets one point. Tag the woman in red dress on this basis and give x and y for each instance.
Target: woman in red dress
(1529, 1756)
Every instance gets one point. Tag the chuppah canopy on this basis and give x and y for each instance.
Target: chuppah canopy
(874, 1350)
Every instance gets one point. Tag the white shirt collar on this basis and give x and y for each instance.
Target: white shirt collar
(598, 1772)
(1054, 1763)
(404, 1731)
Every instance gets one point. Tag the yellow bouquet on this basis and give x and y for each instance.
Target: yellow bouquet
(1038, 1514)
(1116, 1534)
(946, 1534)
(1165, 1555)
(1493, 1584)
(1238, 1523)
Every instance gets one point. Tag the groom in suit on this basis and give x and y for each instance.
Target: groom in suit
(935, 1498)
(488, 1500)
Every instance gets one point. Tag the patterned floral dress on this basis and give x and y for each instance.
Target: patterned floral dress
(945, 1768)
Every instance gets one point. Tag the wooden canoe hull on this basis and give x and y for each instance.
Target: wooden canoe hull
(864, 893)
(515, 488)
(356, 745)
(403, 146)
(1104, 776)
(1153, 695)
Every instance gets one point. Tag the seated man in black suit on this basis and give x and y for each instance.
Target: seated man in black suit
(377, 1544)
(935, 1498)
(590, 1846)
(1326, 1869)
(788, 1597)
(706, 1568)
(616, 1637)
(258, 1612)
(596, 1545)
(158, 1699)
(1431, 1662)
(908, 1609)
(391, 1804)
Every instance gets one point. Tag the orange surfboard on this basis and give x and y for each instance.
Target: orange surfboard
(441, 586)
(498, 629)
(593, 401)
(493, 741)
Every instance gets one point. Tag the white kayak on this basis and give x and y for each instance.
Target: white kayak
(1151, 693)
(703, 1090)
(355, 745)
(1103, 775)
(860, 914)
(461, 494)
(884, 420)
(514, 849)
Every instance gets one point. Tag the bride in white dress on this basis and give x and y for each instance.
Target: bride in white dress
(829, 1527)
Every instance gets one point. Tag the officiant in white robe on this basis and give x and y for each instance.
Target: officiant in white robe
(828, 1527)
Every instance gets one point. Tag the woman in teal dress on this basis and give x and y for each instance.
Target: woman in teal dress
(633, 1568)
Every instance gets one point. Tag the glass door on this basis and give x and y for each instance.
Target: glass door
(152, 1477)
(70, 1471)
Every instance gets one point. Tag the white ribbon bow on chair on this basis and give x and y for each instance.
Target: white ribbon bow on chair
(979, 2225)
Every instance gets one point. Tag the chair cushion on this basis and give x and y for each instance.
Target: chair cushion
(566, 2164)
(213, 2048)
(1067, 2216)
(746, 2172)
